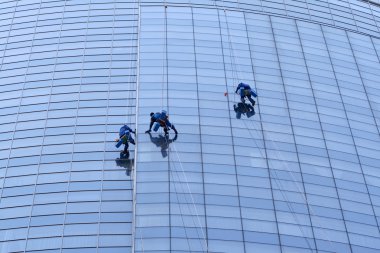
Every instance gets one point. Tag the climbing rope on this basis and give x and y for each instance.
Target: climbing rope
(136, 7)
(235, 78)
(191, 197)
(278, 181)
(271, 171)
(174, 172)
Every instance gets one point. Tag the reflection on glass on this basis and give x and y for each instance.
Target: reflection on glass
(163, 142)
(244, 109)
(124, 162)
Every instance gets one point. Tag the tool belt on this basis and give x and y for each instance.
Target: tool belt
(125, 138)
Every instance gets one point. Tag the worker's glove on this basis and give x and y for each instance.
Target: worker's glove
(134, 131)
(148, 131)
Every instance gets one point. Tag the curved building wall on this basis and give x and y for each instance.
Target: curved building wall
(301, 175)
(68, 71)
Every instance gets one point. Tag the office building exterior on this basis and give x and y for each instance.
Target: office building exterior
(301, 174)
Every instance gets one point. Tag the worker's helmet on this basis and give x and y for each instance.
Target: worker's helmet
(151, 114)
(163, 112)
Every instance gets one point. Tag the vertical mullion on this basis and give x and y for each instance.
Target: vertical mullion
(304, 194)
(47, 117)
(9, 32)
(349, 127)
(20, 100)
(165, 76)
(106, 127)
(75, 126)
(324, 140)
(134, 175)
(373, 16)
(352, 14)
(18, 113)
(361, 79)
(263, 136)
(230, 128)
(200, 134)
(378, 58)
(353, 137)
(294, 140)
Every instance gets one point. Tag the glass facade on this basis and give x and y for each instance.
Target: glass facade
(68, 81)
(299, 174)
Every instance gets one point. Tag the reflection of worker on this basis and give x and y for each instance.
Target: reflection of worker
(245, 91)
(243, 108)
(124, 162)
(163, 142)
(161, 120)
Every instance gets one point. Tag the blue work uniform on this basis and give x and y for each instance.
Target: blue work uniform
(161, 119)
(126, 136)
(246, 91)
(124, 129)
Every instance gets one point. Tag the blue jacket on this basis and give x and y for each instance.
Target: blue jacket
(155, 117)
(159, 117)
(244, 86)
(162, 119)
(124, 130)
